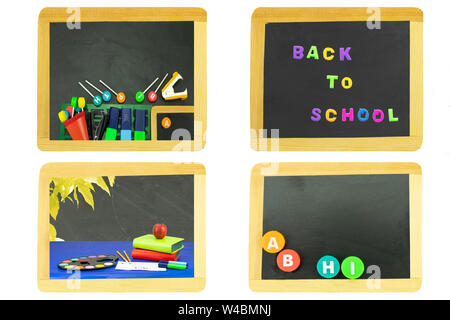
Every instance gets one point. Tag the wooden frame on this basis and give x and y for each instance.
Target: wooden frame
(262, 16)
(165, 109)
(123, 169)
(302, 169)
(49, 15)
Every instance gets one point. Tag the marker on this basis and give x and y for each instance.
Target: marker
(139, 124)
(141, 95)
(119, 96)
(106, 95)
(97, 99)
(152, 96)
(173, 265)
(125, 124)
(111, 131)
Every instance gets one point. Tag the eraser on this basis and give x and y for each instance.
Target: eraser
(113, 118)
(139, 120)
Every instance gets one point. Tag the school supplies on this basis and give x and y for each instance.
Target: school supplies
(152, 96)
(139, 266)
(168, 92)
(98, 121)
(106, 95)
(111, 130)
(89, 263)
(126, 255)
(141, 95)
(97, 100)
(76, 126)
(117, 251)
(154, 255)
(173, 265)
(166, 245)
(119, 96)
(139, 124)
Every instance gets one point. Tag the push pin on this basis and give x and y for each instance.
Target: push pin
(152, 96)
(119, 96)
(96, 99)
(168, 93)
(106, 95)
(141, 95)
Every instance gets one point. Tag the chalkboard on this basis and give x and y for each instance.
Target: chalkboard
(368, 210)
(128, 56)
(130, 209)
(126, 48)
(184, 121)
(349, 215)
(336, 79)
(92, 209)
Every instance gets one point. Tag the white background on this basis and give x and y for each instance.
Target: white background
(227, 157)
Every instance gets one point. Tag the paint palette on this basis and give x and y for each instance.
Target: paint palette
(88, 263)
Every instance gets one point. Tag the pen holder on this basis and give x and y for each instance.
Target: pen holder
(77, 127)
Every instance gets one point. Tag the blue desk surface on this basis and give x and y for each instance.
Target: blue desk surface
(61, 250)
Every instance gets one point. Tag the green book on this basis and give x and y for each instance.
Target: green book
(166, 245)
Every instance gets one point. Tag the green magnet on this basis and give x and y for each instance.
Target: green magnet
(74, 102)
(140, 96)
(352, 267)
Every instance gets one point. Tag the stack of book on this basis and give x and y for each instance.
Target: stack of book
(150, 248)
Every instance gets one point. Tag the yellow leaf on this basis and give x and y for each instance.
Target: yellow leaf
(75, 196)
(52, 232)
(102, 184)
(54, 205)
(111, 180)
(87, 195)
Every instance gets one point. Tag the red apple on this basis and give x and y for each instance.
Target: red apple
(159, 230)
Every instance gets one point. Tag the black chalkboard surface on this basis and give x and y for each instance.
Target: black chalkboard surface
(134, 205)
(181, 120)
(379, 69)
(128, 56)
(349, 215)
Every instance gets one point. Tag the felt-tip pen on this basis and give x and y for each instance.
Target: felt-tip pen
(173, 265)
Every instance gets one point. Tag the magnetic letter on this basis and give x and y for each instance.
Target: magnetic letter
(288, 260)
(272, 244)
(327, 115)
(326, 55)
(392, 118)
(313, 53)
(345, 54)
(332, 79)
(378, 115)
(298, 52)
(346, 115)
(363, 115)
(347, 83)
(315, 114)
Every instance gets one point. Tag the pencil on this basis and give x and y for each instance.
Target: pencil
(121, 256)
(127, 256)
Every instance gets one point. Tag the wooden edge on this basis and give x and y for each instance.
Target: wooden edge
(261, 16)
(67, 169)
(261, 170)
(90, 14)
(338, 285)
(164, 109)
(323, 14)
(47, 15)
